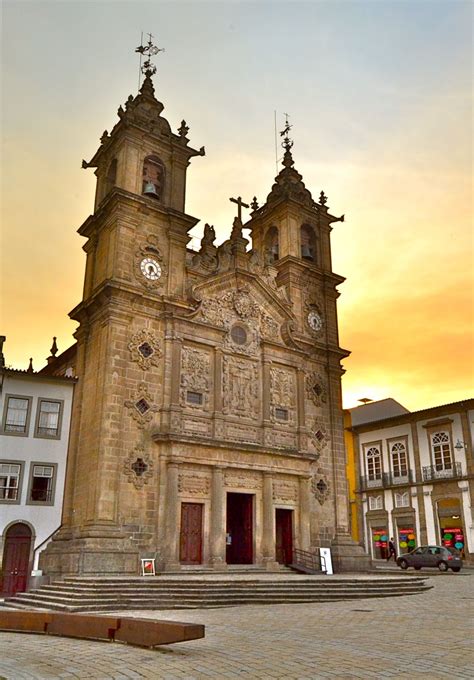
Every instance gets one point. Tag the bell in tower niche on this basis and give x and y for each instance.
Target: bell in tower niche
(153, 177)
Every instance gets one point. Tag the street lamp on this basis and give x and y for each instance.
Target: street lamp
(459, 445)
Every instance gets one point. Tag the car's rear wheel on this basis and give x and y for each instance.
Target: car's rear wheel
(442, 566)
(456, 569)
(403, 564)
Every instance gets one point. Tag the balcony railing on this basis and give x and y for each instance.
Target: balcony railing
(431, 472)
(387, 479)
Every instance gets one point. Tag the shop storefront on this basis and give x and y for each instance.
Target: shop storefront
(380, 540)
(406, 537)
(450, 525)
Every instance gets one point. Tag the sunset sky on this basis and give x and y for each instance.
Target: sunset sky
(380, 98)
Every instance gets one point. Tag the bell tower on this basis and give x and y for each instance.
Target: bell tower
(135, 270)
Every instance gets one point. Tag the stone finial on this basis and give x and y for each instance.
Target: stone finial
(54, 347)
(323, 199)
(30, 367)
(147, 88)
(183, 129)
(236, 229)
(254, 203)
(209, 236)
(104, 137)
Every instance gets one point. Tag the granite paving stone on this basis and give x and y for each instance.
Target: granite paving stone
(428, 635)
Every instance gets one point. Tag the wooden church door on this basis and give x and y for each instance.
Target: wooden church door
(191, 533)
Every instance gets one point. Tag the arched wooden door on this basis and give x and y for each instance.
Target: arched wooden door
(16, 558)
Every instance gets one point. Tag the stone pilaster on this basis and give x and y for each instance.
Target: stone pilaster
(305, 528)
(268, 524)
(217, 534)
(173, 518)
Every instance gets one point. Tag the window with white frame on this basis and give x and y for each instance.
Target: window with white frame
(399, 459)
(441, 449)
(402, 500)
(41, 484)
(10, 481)
(374, 463)
(375, 503)
(49, 418)
(16, 415)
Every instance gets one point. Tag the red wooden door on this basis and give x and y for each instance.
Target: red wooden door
(16, 558)
(284, 536)
(239, 528)
(191, 533)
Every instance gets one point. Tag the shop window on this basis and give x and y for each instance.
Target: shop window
(402, 500)
(48, 423)
(441, 449)
(399, 460)
(10, 475)
(374, 463)
(380, 543)
(453, 537)
(375, 503)
(41, 487)
(406, 540)
(272, 250)
(16, 415)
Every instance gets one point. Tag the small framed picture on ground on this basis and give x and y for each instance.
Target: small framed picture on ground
(148, 567)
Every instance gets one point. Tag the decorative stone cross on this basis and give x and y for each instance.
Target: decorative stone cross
(240, 205)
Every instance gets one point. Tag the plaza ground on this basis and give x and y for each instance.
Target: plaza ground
(429, 635)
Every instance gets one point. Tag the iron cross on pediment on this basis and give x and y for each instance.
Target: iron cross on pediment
(240, 205)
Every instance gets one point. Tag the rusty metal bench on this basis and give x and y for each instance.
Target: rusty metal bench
(141, 632)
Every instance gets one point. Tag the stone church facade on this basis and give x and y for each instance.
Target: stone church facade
(207, 425)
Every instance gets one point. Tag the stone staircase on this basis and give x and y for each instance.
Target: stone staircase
(201, 590)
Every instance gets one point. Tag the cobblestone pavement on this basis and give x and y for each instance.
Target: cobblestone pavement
(427, 636)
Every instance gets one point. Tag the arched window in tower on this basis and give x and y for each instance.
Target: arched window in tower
(309, 244)
(272, 249)
(111, 177)
(153, 177)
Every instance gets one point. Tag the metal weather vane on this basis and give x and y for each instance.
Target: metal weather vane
(287, 142)
(148, 51)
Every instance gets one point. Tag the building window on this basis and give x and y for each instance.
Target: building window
(281, 413)
(238, 335)
(399, 460)
(48, 422)
(375, 503)
(194, 398)
(41, 487)
(402, 500)
(374, 463)
(17, 411)
(10, 474)
(441, 448)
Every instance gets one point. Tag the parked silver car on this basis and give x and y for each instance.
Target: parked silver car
(431, 556)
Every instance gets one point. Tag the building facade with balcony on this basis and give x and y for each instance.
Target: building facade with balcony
(414, 477)
(35, 411)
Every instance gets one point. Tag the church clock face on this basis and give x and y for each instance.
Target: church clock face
(150, 269)
(315, 320)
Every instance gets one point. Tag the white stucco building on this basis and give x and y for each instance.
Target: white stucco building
(35, 413)
(415, 476)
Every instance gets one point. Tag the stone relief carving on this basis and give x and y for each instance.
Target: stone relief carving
(316, 388)
(242, 433)
(195, 376)
(193, 485)
(241, 479)
(319, 435)
(145, 349)
(206, 259)
(141, 406)
(138, 467)
(285, 491)
(282, 394)
(241, 387)
(280, 439)
(224, 310)
(320, 486)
